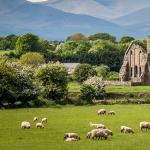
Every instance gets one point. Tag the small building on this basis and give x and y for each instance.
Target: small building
(136, 64)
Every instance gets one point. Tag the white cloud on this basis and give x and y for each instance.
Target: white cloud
(36, 0)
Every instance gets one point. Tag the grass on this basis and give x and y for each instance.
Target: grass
(3, 52)
(75, 87)
(73, 119)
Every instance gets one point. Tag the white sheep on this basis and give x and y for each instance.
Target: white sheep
(101, 112)
(89, 134)
(70, 139)
(126, 129)
(71, 135)
(44, 120)
(98, 134)
(39, 125)
(144, 125)
(96, 125)
(35, 119)
(112, 112)
(25, 125)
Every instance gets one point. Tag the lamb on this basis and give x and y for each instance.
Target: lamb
(44, 120)
(25, 125)
(144, 125)
(96, 126)
(98, 133)
(125, 129)
(101, 112)
(71, 139)
(35, 119)
(71, 135)
(111, 112)
(39, 125)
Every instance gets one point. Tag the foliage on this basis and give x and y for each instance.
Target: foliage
(32, 58)
(98, 86)
(87, 93)
(77, 37)
(27, 42)
(127, 39)
(102, 71)
(53, 81)
(83, 71)
(113, 76)
(102, 36)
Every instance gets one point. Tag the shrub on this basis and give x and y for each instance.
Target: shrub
(32, 58)
(53, 81)
(113, 76)
(87, 93)
(84, 71)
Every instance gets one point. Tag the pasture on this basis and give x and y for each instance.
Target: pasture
(73, 119)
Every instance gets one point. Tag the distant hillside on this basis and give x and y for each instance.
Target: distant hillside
(49, 22)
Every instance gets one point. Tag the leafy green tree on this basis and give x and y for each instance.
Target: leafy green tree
(113, 76)
(53, 79)
(102, 36)
(83, 71)
(12, 39)
(102, 71)
(127, 39)
(87, 93)
(27, 42)
(32, 58)
(77, 37)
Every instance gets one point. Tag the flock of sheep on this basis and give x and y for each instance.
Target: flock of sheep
(27, 125)
(99, 131)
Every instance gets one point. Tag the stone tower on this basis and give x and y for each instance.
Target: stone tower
(148, 44)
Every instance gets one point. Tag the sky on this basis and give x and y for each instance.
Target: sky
(36, 0)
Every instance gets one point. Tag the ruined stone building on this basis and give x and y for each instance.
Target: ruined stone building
(136, 64)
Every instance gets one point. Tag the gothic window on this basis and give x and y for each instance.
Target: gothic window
(140, 71)
(135, 71)
(131, 52)
(131, 72)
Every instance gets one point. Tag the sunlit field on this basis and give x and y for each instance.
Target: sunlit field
(73, 119)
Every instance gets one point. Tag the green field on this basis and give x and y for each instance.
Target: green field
(73, 119)
(3, 52)
(75, 87)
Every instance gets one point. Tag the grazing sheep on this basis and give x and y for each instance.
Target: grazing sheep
(44, 120)
(35, 119)
(109, 132)
(25, 125)
(101, 112)
(111, 112)
(144, 125)
(89, 134)
(70, 139)
(71, 135)
(39, 125)
(96, 125)
(98, 134)
(125, 129)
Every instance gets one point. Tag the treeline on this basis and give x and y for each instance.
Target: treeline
(99, 48)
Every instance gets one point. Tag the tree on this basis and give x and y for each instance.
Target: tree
(53, 79)
(113, 76)
(32, 58)
(102, 71)
(77, 37)
(127, 39)
(27, 42)
(102, 36)
(83, 71)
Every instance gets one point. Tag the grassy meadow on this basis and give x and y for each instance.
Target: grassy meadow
(73, 119)
(75, 87)
(3, 52)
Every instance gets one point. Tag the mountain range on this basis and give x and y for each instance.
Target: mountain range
(57, 19)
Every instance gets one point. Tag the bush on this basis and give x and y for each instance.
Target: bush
(113, 76)
(32, 58)
(102, 71)
(83, 71)
(53, 81)
(16, 83)
(87, 93)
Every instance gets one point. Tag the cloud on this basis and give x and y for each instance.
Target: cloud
(36, 0)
